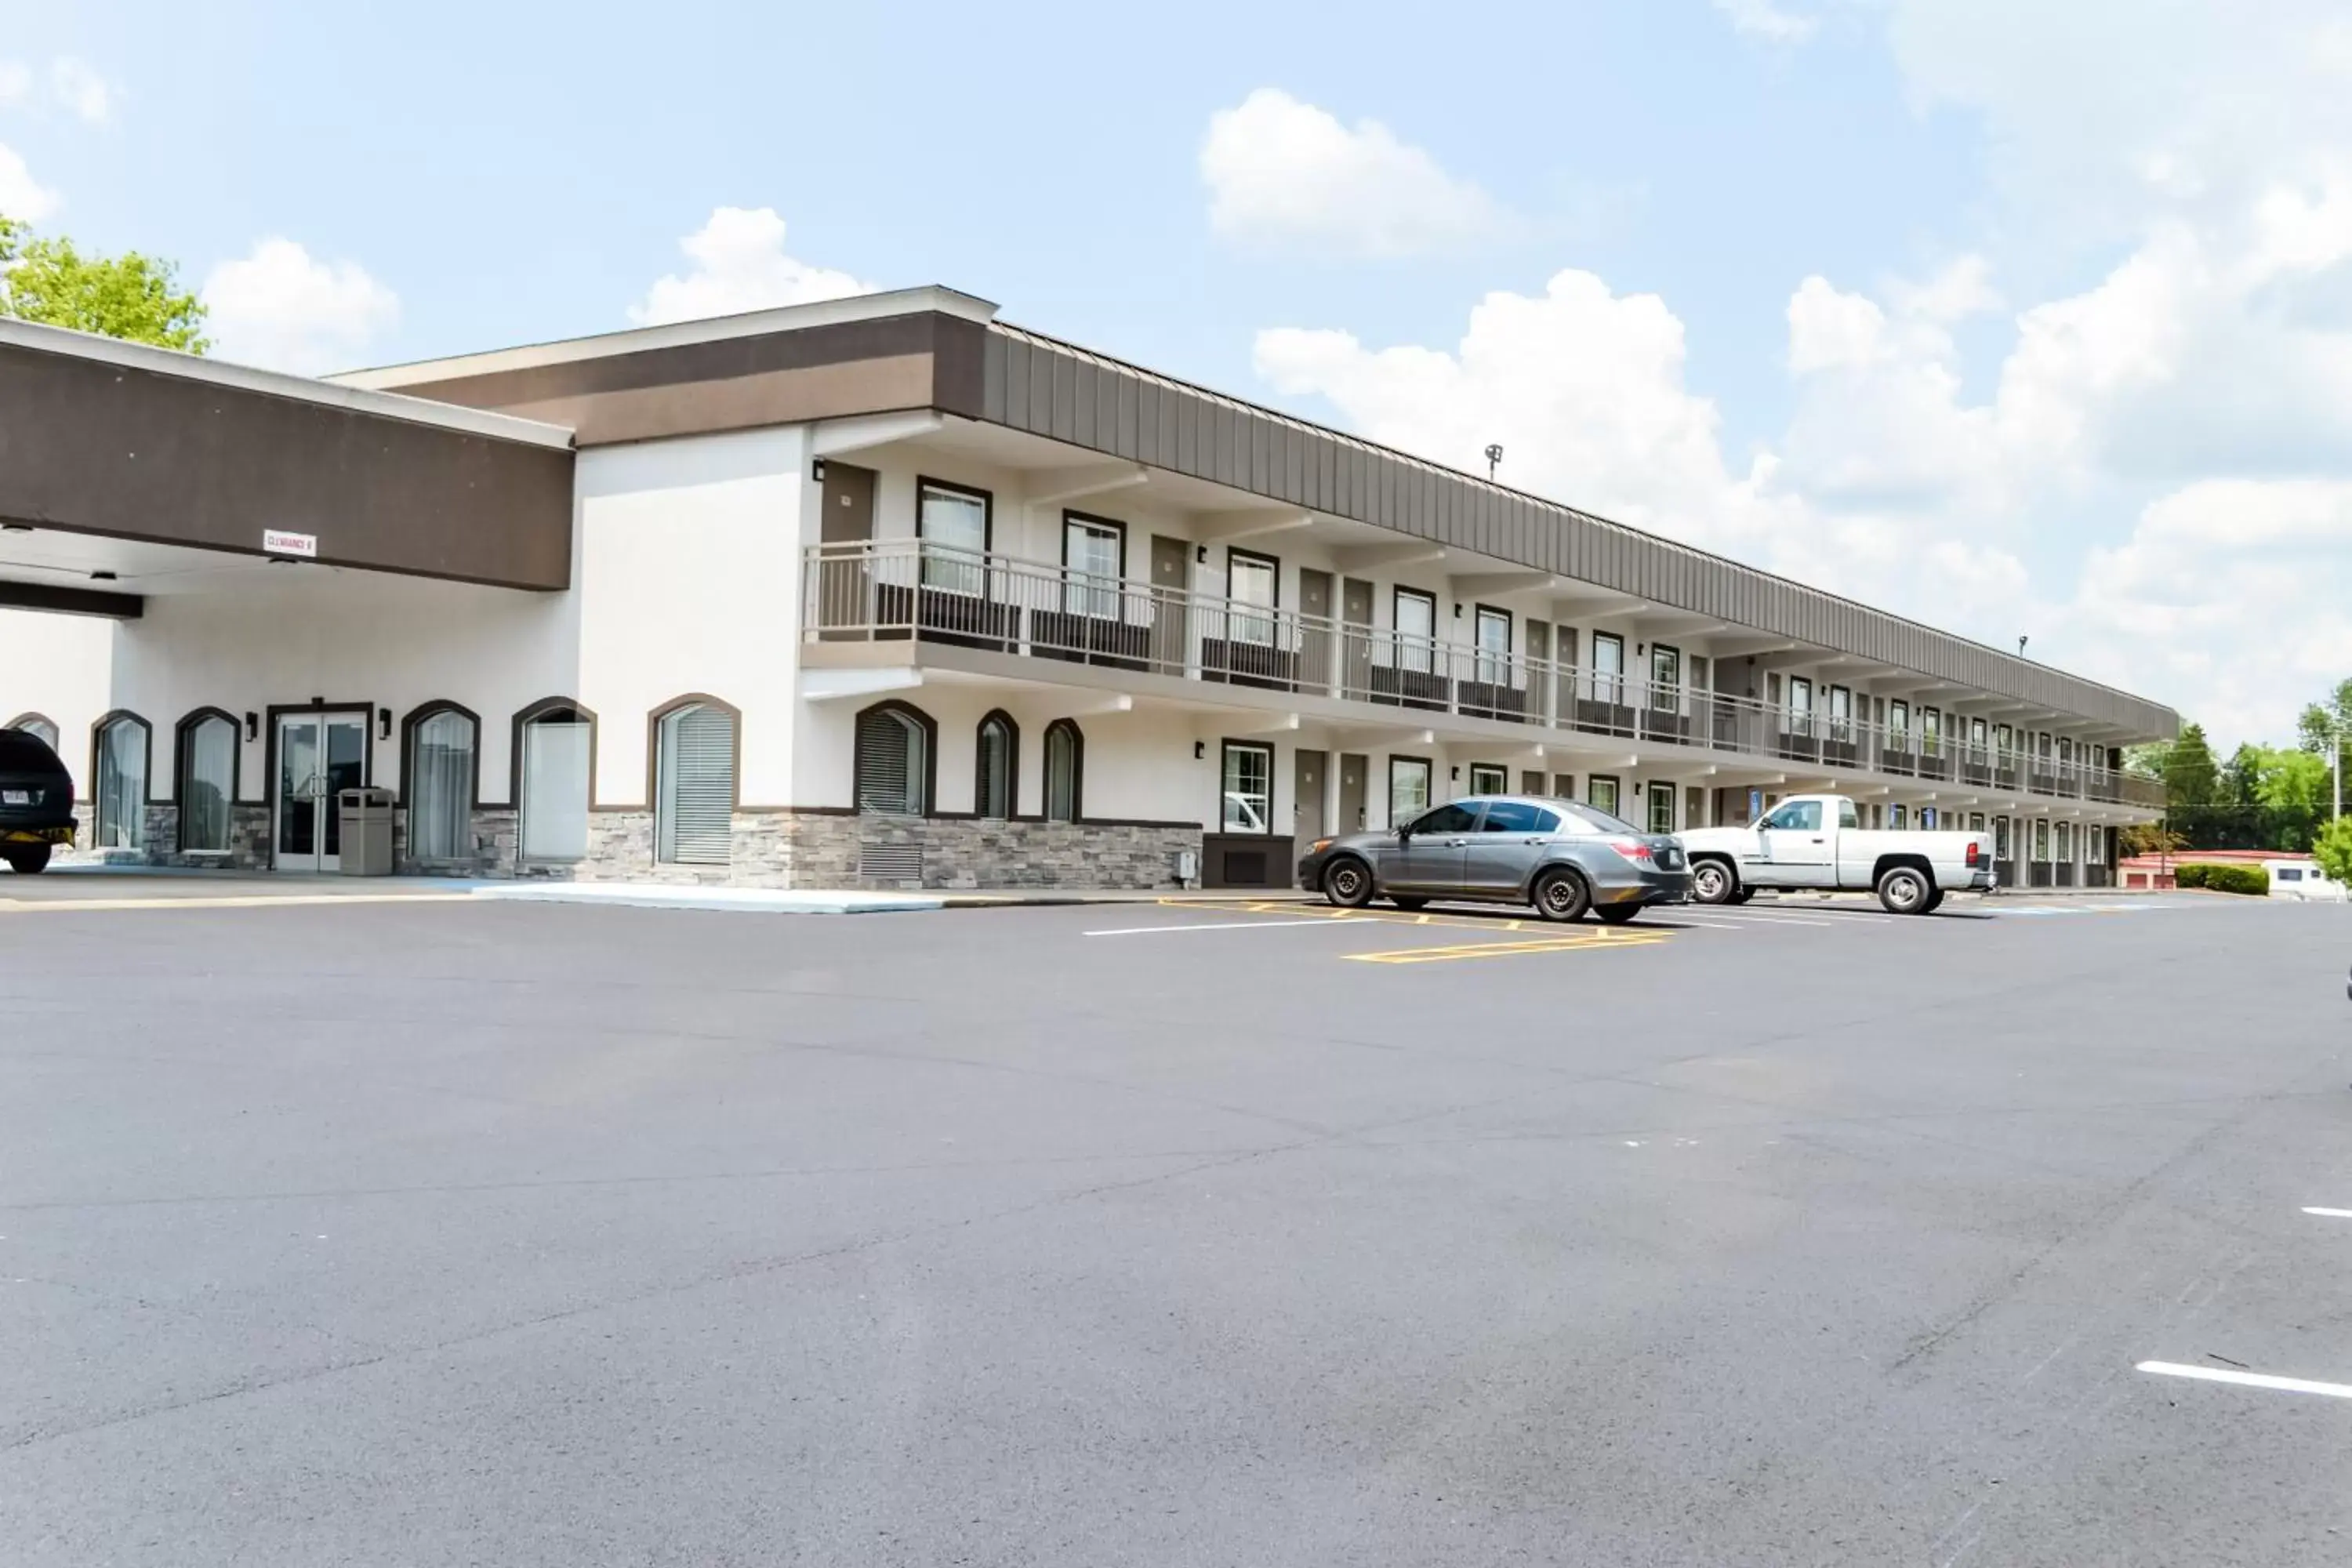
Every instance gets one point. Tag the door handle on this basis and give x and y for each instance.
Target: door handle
(1821, 841)
(1457, 843)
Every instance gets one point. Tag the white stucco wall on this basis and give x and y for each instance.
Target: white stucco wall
(688, 582)
(59, 667)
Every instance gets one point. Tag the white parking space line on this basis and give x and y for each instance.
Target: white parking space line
(1222, 925)
(1754, 919)
(2248, 1379)
(2330, 1214)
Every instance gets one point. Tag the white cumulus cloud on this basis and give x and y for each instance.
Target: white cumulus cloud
(740, 264)
(1281, 172)
(22, 197)
(1763, 19)
(280, 308)
(77, 86)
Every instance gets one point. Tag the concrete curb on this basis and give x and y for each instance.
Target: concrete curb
(741, 900)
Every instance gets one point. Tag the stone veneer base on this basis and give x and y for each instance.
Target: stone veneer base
(771, 849)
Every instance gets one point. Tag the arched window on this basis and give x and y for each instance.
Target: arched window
(893, 766)
(693, 793)
(36, 724)
(554, 749)
(206, 783)
(999, 756)
(443, 750)
(122, 747)
(1065, 769)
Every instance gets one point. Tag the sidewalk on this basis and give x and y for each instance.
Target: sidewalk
(101, 887)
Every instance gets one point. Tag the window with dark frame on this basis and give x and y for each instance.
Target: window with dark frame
(120, 807)
(999, 745)
(207, 783)
(1662, 809)
(1608, 668)
(1416, 629)
(1094, 563)
(952, 524)
(1409, 788)
(1665, 676)
(557, 743)
(1246, 771)
(440, 792)
(1489, 778)
(1065, 751)
(1493, 631)
(1601, 792)
(1253, 584)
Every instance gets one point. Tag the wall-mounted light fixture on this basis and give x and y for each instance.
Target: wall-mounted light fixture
(252, 726)
(816, 470)
(384, 723)
(1201, 555)
(1457, 774)
(1200, 751)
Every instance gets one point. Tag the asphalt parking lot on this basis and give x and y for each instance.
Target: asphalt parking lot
(457, 1233)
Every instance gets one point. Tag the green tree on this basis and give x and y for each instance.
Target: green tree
(129, 296)
(2334, 848)
(2331, 716)
(2147, 758)
(2190, 779)
(2242, 776)
(2292, 780)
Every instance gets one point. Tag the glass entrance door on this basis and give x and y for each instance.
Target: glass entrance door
(318, 754)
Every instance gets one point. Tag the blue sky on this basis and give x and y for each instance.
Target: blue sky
(2006, 321)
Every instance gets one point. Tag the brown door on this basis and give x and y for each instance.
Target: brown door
(1306, 796)
(843, 576)
(1356, 639)
(1315, 671)
(1353, 772)
(1171, 575)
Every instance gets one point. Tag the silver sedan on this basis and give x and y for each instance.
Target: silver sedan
(1562, 857)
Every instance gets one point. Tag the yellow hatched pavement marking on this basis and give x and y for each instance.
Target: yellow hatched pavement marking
(249, 902)
(1579, 944)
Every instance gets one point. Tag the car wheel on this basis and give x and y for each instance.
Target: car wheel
(1408, 902)
(1618, 914)
(1347, 883)
(1561, 895)
(1903, 892)
(29, 860)
(1713, 883)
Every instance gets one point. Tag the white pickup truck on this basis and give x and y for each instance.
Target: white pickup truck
(1818, 841)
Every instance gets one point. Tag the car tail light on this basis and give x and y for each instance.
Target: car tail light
(1976, 854)
(1631, 848)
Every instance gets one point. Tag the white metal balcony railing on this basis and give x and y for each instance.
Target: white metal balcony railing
(901, 589)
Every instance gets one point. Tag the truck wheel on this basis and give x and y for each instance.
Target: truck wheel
(1741, 897)
(28, 860)
(1903, 892)
(1713, 883)
(1934, 901)
(1561, 895)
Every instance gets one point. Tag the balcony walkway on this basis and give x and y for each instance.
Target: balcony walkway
(898, 603)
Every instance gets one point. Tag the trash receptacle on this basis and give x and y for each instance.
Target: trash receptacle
(364, 828)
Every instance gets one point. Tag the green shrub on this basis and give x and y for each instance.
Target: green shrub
(2251, 879)
(2190, 876)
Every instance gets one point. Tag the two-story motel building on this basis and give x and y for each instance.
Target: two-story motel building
(886, 592)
